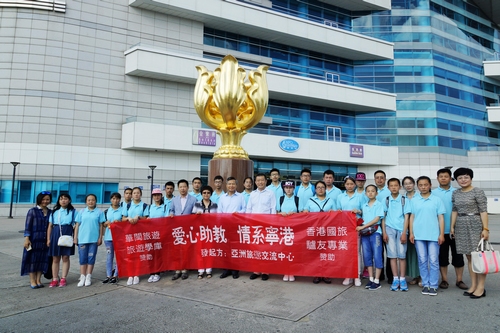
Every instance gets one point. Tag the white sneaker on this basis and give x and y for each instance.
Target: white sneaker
(151, 278)
(156, 278)
(347, 282)
(291, 278)
(130, 281)
(88, 280)
(81, 281)
(357, 282)
(285, 278)
(136, 280)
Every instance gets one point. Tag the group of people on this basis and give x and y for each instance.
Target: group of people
(418, 228)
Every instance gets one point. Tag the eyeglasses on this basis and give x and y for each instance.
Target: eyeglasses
(320, 187)
(45, 192)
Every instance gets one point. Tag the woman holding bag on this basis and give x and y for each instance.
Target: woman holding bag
(469, 223)
(61, 222)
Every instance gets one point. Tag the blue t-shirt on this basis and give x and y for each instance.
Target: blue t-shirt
(89, 224)
(315, 205)
(246, 195)
(333, 193)
(395, 218)
(112, 215)
(63, 217)
(426, 211)
(369, 213)
(215, 197)
(345, 202)
(445, 195)
(382, 194)
(278, 190)
(288, 205)
(304, 193)
(135, 210)
(363, 198)
(198, 196)
(154, 211)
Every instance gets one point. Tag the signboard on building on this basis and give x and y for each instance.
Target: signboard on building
(356, 151)
(204, 137)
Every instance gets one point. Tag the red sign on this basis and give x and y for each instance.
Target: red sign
(305, 244)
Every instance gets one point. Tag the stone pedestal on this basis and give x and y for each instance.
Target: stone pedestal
(230, 167)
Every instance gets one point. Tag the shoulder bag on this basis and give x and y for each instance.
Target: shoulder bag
(485, 259)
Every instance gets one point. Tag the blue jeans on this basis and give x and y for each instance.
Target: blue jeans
(428, 262)
(372, 250)
(109, 258)
(394, 247)
(87, 253)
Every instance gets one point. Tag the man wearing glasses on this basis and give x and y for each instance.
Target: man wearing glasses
(305, 190)
(217, 189)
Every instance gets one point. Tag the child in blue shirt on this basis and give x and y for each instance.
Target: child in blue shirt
(112, 215)
(288, 204)
(133, 212)
(61, 222)
(88, 236)
(427, 233)
(157, 209)
(351, 201)
(394, 230)
(373, 212)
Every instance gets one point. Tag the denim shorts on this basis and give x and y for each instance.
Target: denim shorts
(372, 250)
(394, 247)
(87, 253)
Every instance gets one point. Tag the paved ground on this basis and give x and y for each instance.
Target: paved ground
(231, 305)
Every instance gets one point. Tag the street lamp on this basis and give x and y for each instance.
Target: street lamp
(15, 164)
(152, 167)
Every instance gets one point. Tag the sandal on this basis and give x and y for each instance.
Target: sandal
(461, 285)
(209, 275)
(414, 281)
(200, 276)
(444, 285)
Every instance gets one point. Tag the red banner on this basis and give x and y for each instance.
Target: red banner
(305, 244)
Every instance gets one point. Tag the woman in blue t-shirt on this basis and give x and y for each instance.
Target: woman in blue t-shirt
(61, 222)
(88, 236)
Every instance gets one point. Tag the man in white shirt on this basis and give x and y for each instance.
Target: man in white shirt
(231, 202)
(261, 201)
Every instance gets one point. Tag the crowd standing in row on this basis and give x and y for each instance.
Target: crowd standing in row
(418, 228)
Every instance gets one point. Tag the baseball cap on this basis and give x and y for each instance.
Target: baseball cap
(360, 176)
(288, 183)
(156, 191)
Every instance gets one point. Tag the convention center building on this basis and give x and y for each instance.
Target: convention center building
(95, 93)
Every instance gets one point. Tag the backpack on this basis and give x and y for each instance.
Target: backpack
(320, 208)
(402, 203)
(296, 198)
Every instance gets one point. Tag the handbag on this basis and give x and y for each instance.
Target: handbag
(485, 258)
(64, 240)
(369, 231)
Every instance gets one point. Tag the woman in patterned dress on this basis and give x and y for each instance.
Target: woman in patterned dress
(469, 223)
(35, 253)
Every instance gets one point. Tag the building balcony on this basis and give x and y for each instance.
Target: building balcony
(260, 22)
(168, 65)
(360, 5)
(493, 113)
(136, 136)
(492, 69)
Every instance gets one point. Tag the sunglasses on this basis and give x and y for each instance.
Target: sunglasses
(45, 192)
(206, 192)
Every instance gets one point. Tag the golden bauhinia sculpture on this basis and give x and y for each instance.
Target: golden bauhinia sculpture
(225, 102)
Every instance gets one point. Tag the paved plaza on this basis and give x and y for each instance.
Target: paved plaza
(229, 305)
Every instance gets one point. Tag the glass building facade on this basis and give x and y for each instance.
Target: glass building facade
(437, 74)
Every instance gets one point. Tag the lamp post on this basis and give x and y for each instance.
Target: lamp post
(15, 164)
(152, 167)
